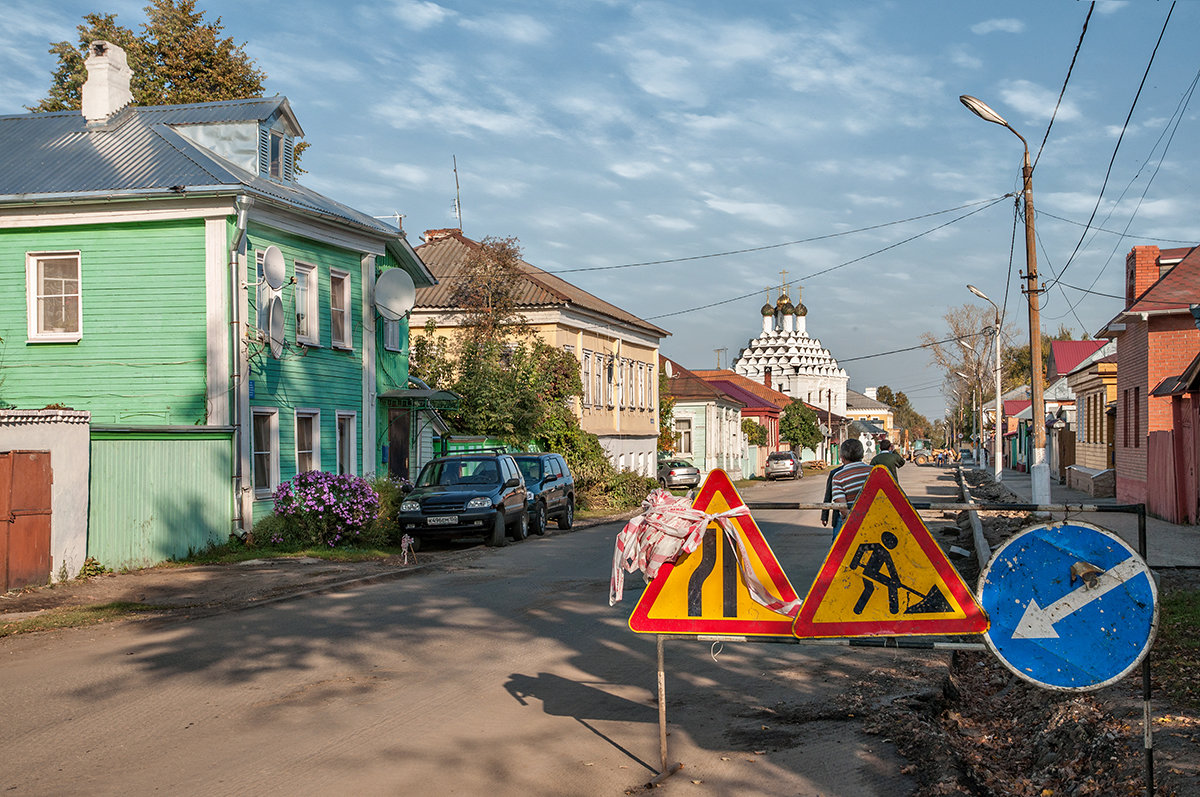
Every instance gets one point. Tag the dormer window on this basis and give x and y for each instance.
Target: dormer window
(276, 167)
(275, 154)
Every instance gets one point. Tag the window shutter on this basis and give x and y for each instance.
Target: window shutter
(288, 158)
(264, 151)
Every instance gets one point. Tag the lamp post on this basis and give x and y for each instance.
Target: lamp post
(997, 467)
(975, 406)
(1039, 471)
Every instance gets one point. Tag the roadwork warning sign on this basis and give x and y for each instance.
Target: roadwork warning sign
(703, 592)
(886, 576)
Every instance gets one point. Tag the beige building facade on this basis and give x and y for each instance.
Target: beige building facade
(616, 350)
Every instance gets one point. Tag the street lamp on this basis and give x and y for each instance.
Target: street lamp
(975, 406)
(996, 462)
(978, 377)
(1039, 471)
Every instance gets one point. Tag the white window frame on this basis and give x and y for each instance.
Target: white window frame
(315, 416)
(311, 302)
(271, 451)
(610, 378)
(587, 378)
(276, 169)
(683, 433)
(350, 468)
(33, 288)
(336, 274)
(391, 335)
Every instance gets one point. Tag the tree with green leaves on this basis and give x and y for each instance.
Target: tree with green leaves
(666, 412)
(178, 58)
(486, 286)
(798, 426)
(756, 433)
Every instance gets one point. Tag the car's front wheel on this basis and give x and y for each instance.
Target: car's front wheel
(537, 524)
(520, 529)
(567, 518)
(497, 538)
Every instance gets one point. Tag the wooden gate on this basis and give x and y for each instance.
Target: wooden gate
(1162, 477)
(25, 486)
(1066, 452)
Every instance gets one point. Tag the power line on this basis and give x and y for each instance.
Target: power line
(840, 265)
(768, 247)
(1066, 80)
(1117, 147)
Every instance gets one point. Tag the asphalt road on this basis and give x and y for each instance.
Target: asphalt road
(504, 674)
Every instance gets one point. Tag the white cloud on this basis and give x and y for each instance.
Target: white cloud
(769, 213)
(1034, 101)
(961, 56)
(1110, 6)
(421, 14)
(516, 28)
(406, 173)
(1006, 25)
(633, 170)
(670, 223)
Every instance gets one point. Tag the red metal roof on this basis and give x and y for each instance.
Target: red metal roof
(1014, 406)
(751, 401)
(1066, 355)
(768, 394)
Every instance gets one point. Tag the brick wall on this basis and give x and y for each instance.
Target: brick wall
(1141, 271)
(1174, 342)
(1130, 451)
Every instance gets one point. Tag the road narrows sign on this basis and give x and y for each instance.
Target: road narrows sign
(1073, 606)
(703, 593)
(886, 576)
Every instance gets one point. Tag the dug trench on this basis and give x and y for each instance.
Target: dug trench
(975, 728)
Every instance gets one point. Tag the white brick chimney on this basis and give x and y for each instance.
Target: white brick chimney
(107, 88)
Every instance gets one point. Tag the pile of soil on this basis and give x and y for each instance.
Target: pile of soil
(979, 729)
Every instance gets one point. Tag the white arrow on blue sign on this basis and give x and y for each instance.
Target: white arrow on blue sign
(1072, 606)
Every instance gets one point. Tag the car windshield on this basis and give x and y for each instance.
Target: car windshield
(531, 469)
(449, 472)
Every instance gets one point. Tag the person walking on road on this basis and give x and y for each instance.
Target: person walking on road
(847, 481)
(888, 458)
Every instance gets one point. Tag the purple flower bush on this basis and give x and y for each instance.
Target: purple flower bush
(327, 509)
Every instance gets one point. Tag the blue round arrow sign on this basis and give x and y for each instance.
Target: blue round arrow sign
(1072, 606)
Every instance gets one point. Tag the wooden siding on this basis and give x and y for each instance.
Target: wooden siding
(157, 496)
(141, 358)
(311, 377)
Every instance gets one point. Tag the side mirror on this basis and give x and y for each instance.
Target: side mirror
(406, 487)
(513, 482)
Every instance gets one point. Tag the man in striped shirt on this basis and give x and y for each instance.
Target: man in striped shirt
(849, 479)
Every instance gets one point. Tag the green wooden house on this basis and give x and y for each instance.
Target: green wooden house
(162, 269)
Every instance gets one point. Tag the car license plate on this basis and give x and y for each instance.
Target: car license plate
(442, 520)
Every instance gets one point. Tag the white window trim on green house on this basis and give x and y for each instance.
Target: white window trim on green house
(37, 297)
(311, 416)
(264, 453)
(683, 434)
(308, 326)
(339, 286)
(345, 435)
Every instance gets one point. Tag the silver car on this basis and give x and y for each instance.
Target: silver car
(781, 464)
(674, 473)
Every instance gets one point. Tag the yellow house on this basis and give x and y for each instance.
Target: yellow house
(865, 407)
(617, 351)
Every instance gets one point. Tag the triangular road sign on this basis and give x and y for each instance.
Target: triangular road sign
(703, 592)
(885, 576)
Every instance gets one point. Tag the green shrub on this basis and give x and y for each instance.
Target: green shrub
(391, 492)
(91, 568)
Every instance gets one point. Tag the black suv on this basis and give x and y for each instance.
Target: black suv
(467, 495)
(551, 490)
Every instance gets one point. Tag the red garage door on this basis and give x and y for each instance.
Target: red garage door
(25, 480)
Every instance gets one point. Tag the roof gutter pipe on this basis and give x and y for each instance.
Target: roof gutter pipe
(238, 382)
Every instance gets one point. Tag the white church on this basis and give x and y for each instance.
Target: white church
(786, 358)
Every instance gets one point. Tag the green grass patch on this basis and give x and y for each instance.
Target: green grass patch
(76, 617)
(234, 552)
(1176, 654)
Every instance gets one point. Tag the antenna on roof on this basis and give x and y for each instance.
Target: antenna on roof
(457, 197)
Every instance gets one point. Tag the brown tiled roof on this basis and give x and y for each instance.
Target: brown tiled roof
(690, 387)
(445, 250)
(780, 400)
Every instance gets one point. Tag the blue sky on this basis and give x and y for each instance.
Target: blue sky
(608, 133)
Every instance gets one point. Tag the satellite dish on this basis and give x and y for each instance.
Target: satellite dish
(667, 367)
(275, 325)
(395, 294)
(274, 269)
(824, 430)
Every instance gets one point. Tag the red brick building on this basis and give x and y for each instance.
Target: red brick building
(1157, 341)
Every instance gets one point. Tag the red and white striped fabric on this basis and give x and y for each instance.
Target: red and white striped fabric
(670, 527)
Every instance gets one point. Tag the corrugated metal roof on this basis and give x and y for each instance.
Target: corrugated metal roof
(1066, 355)
(136, 152)
(768, 394)
(538, 288)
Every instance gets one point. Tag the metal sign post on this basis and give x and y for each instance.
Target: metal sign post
(665, 771)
